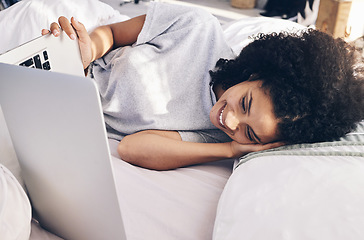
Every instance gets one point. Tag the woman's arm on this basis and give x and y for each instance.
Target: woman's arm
(102, 39)
(108, 37)
(163, 150)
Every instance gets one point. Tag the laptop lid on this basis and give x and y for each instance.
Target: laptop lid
(58, 54)
(57, 128)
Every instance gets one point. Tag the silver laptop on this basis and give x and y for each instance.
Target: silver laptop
(56, 124)
(58, 54)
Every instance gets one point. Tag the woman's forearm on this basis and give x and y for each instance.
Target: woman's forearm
(108, 37)
(158, 152)
(101, 42)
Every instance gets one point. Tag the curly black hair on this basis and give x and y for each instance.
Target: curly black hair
(315, 82)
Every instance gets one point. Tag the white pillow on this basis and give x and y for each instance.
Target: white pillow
(15, 210)
(24, 20)
(300, 192)
(238, 33)
(293, 197)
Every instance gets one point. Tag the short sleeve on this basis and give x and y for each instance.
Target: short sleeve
(205, 136)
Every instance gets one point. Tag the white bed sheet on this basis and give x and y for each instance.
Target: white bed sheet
(176, 204)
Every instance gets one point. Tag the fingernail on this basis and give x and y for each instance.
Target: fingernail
(55, 32)
(72, 36)
(75, 20)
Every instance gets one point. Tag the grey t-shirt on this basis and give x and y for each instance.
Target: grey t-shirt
(162, 81)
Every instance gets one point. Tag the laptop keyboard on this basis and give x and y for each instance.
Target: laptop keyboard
(39, 60)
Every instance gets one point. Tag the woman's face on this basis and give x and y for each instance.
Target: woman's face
(245, 113)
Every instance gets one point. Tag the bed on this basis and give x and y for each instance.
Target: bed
(295, 192)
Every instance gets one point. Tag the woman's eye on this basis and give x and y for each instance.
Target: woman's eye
(243, 104)
(249, 134)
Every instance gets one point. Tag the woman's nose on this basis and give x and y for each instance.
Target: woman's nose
(231, 121)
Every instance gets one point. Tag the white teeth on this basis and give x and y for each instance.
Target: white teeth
(220, 118)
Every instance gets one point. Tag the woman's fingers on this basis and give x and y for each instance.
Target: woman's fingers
(55, 29)
(273, 145)
(45, 32)
(72, 29)
(84, 41)
(239, 149)
(67, 27)
(261, 147)
(80, 30)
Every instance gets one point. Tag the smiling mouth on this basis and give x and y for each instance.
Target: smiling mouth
(220, 119)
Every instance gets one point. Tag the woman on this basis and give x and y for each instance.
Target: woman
(153, 73)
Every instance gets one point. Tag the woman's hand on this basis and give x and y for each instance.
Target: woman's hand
(102, 40)
(74, 30)
(239, 149)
